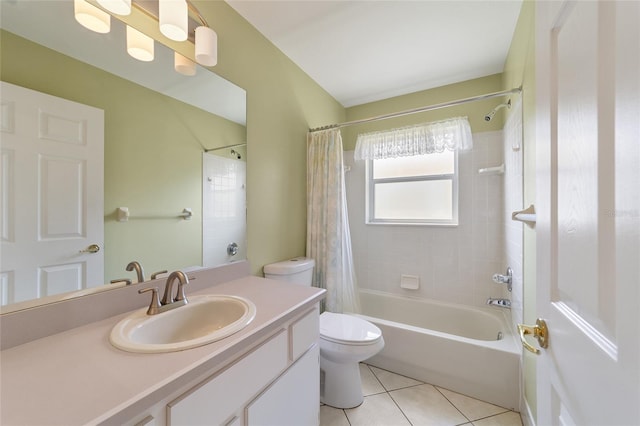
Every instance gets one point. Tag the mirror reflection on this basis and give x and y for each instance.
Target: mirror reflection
(153, 157)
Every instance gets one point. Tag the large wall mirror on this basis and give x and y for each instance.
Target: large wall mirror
(165, 139)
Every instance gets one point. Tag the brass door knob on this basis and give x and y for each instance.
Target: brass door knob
(539, 331)
(93, 248)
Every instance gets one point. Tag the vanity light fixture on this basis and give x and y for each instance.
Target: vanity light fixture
(174, 19)
(139, 45)
(91, 17)
(119, 7)
(184, 65)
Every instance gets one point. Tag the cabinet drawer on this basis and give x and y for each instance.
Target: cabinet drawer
(293, 400)
(304, 333)
(217, 399)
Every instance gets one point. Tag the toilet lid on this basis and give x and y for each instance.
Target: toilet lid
(342, 328)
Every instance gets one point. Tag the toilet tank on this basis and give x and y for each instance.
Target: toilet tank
(298, 270)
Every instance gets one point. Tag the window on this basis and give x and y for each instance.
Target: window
(420, 189)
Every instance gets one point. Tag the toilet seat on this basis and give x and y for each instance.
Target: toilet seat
(348, 330)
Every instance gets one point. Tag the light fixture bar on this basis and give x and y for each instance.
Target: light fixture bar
(173, 21)
(196, 12)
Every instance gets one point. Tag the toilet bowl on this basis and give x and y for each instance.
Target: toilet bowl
(345, 341)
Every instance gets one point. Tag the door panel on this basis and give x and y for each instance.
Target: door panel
(61, 208)
(579, 214)
(588, 110)
(51, 147)
(56, 279)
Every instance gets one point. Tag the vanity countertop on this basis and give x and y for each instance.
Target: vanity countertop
(77, 377)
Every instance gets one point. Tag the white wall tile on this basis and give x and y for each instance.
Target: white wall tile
(454, 264)
(513, 199)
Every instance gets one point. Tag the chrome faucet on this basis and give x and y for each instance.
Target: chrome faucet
(503, 303)
(507, 278)
(139, 271)
(168, 302)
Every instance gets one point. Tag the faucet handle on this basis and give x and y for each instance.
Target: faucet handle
(155, 274)
(154, 306)
(507, 278)
(127, 281)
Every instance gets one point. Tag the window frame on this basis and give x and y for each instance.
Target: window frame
(370, 183)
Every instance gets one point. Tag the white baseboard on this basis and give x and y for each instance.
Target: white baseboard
(526, 415)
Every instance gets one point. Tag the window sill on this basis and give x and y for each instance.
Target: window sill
(430, 224)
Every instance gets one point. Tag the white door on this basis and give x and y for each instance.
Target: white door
(588, 203)
(51, 195)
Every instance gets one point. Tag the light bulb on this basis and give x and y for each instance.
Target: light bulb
(91, 17)
(119, 7)
(206, 46)
(184, 65)
(139, 45)
(174, 19)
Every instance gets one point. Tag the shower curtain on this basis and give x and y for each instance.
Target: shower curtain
(328, 236)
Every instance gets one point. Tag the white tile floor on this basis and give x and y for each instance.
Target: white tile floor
(394, 400)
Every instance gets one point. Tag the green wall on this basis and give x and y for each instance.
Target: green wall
(282, 104)
(153, 154)
(474, 110)
(520, 70)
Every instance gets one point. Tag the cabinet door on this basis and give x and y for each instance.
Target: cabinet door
(305, 333)
(294, 399)
(215, 401)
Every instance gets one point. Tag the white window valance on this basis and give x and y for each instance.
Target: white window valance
(453, 134)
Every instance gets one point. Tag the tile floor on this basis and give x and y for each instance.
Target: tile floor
(394, 400)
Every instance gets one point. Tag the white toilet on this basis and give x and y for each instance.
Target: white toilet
(345, 340)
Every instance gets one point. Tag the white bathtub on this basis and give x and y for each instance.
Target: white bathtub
(452, 346)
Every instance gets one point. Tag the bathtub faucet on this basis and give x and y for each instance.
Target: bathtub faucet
(507, 278)
(503, 303)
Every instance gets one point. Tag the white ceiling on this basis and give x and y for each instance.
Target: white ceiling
(363, 51)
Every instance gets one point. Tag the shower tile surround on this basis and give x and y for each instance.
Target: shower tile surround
(453, 263)
(513, 201)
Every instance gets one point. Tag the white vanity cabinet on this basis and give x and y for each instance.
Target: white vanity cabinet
(281, 404)
(276, 383)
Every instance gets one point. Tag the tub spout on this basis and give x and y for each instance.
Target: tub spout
(503, 303)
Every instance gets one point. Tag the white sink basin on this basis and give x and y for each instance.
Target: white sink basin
(203, 320)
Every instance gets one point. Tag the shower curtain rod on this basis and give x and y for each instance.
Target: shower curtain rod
(225, 147)
(421, 109)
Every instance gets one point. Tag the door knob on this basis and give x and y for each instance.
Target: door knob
(539, 331)
(93, 248)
